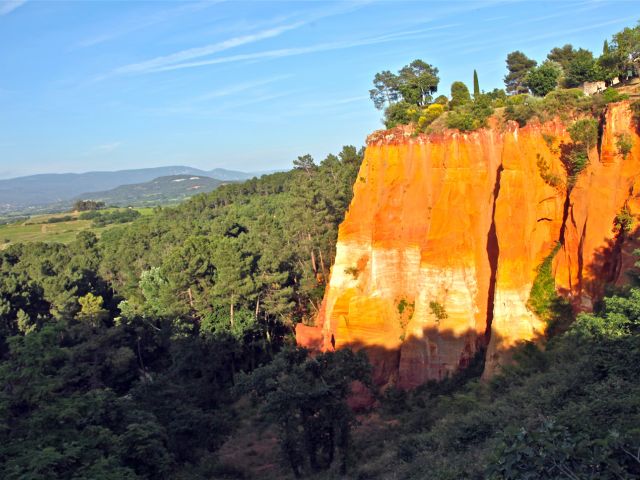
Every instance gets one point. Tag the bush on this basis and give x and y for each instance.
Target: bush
(612, 95)
(398, 114)
(624, 142)
(429, 114)
(561, 102)
(521, 109)
(585, 132)
(471, 116)
(66, 218)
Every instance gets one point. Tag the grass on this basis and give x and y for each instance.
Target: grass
(36, 228)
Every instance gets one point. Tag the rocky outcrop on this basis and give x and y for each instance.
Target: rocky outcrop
(442, 242)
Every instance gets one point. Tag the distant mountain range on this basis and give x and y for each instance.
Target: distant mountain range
(37, 192)
(162, 190)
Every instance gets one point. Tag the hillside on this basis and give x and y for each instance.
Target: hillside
(23, 193)
(159, 191)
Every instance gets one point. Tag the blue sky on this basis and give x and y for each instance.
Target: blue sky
(107, 85)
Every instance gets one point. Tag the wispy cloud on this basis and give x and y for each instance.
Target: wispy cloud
(131, 26)
(158, 63)
(289, 52)
(237, 88)
(164, 62)
(8, 6)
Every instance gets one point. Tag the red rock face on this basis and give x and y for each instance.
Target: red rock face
(439, 249)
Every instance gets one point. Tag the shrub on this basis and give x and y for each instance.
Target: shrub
(472, 115)
(624, 143)
(438, 310)
(612, 95)
(623, 221)
(550, 178)
(560, 102)
(585, 132)
(429, 114)
(521, 109)
(442, 100)
(65, 218)
(398, 114)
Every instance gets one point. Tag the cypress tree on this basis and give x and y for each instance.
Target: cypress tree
(476, 85)
(605, 47)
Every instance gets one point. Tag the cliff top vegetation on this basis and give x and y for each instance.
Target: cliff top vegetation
(568, 81)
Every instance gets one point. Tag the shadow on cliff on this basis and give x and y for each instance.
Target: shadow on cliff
(438, 360)
(613, 265)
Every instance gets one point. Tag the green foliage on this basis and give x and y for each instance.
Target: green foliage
(521, 109)
(626, 44)
(306, 398)
(471, 116)
(584, 132)
(476, 85)
(429, 115)
(64, 218)
(129, 344)
(91, 309)
(572, 406)
(563, 56)
(398, 114)
(544, 301)
(459, 95)
(624, 220)
(550, 178)
(414, 85)
(543, 79)
(518, 65)
(582, 68)
(102, 219)
(438, 310)
(624, 143)
(85, 205)
(611, 95)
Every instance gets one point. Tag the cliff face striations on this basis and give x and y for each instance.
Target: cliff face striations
(442, 242)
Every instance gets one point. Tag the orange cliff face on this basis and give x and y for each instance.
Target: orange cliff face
(441, 244)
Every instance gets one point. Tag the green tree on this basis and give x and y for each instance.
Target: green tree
(304, 162)
(385, 89)
(562, 55)
(459, 95)
(418, 82)
(92, 310)
(582, 68)
(518, 65)
(627, 44)
(476, 84)
(306, 398)
(543, 79)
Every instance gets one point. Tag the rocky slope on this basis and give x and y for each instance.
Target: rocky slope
(442, 242)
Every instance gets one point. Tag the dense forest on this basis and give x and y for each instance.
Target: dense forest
(118, 356)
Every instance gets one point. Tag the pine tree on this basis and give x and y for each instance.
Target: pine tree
(476, 85)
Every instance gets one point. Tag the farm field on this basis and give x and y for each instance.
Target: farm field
(38, 228)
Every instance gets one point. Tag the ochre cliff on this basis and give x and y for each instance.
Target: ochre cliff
(442, 242)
